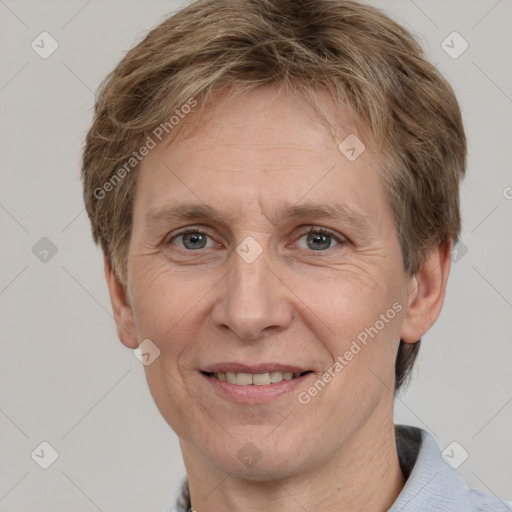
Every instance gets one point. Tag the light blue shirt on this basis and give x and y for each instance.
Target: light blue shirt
(432, 484)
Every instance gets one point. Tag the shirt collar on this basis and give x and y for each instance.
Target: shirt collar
(432, 484)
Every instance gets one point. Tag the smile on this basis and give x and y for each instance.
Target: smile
(260, 387)
(256, 379)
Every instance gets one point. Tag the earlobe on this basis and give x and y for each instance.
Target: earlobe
(427, 292)
(121, 308)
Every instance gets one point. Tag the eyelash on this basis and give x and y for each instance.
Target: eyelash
(313, 230)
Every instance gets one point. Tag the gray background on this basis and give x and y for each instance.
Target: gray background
(65, 377)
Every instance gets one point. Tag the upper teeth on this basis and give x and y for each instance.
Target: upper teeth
(259, 379)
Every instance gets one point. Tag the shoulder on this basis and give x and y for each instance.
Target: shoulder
(432, 484)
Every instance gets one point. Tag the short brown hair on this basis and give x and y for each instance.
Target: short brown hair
(367, 61)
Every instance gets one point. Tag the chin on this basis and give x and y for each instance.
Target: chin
(258, 459)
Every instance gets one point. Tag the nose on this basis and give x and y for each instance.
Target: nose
(254, 301)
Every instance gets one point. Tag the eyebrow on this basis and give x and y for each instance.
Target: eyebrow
(196, 211)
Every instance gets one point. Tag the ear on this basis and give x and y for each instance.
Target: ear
(122, 310)
(426, 294)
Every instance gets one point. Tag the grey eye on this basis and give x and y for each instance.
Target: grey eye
(190, 240)
(319, 240)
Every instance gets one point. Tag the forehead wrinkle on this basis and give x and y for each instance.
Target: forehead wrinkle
(195, 212)
(288, 145)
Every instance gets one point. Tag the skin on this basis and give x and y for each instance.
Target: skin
(294, 304)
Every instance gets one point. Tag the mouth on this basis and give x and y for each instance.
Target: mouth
(255, 384)
(255, 379)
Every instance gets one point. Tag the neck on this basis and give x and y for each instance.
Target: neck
(363, 474)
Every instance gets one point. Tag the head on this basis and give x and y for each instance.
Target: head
(247, 109)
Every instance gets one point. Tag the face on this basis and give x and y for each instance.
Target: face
(254, 291)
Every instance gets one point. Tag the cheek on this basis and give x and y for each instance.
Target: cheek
(165, 311)
(349, 301)
(162, 301)
(358, 322)
(362, 341)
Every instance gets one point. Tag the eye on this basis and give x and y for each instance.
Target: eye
(317, 239)
(192, 239)
(320, 239)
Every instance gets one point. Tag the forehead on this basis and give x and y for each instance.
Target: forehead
(265, 148)
(254, 118)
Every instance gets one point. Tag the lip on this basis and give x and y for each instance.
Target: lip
(253, 368)
(252, 394)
